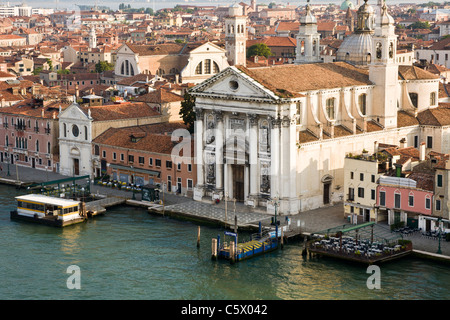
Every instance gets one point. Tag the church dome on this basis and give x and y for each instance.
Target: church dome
(356, 49)
(347, 4)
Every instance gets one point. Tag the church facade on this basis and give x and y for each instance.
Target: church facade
(276, 137)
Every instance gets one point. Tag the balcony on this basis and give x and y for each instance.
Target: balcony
(36, 129)
(20, 127)
(47, 130)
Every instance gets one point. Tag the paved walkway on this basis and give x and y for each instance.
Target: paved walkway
(305, 222)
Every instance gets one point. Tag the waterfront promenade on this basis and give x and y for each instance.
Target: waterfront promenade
(305, 222)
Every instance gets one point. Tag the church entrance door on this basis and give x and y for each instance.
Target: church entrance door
(326, 193)
(238, 182)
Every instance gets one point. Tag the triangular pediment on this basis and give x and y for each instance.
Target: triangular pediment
(231, 83)
(208, 47)
(73, 112)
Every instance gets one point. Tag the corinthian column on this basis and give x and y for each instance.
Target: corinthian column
(219, 134)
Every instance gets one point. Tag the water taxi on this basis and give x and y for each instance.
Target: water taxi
(48, 210)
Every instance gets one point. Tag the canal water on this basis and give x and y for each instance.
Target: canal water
(131, 254)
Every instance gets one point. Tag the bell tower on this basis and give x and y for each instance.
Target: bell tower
(236, 35)
(308, 39)
(383, 70)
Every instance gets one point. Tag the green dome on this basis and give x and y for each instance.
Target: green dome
(347, 4)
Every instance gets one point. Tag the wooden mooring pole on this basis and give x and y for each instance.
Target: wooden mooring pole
(198, 237)
(214, 249)
(232, 252)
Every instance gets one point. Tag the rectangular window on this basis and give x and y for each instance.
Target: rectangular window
(361, 176)
(189, 184)
(397, 200)
(351, 175)
(438, 205)
(429, 142)
(121, 157)
(169, 164)
(189, 167)
(158, 162)
(372, 194)
(416, 141)
(141, 160)
(150, 161)
(411, 200)
(361, 192)
(382, 198)
(373, 178)
(103, 153)
(130, 158)
(439, 180)
(427, 203)
(179, 166)
(351, 194)
(114, 156)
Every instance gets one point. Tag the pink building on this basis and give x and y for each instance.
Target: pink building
(29, 135)
(405, 198)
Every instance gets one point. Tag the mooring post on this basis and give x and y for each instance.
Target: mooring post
(232, 253)
(198, 237)
(282, 244)
(214, 249)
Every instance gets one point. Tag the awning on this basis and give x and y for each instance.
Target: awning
(138, 170)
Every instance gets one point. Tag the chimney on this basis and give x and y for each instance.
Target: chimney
(375, 147)
(402, 143)
(422, 151)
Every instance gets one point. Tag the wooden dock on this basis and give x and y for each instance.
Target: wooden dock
(99, 206)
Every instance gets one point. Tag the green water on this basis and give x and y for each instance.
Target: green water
(130, 254)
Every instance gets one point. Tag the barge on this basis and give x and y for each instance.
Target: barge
(260, 243)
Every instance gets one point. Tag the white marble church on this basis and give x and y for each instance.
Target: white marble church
(280, 134)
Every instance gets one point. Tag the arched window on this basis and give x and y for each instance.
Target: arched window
(432, 98)
(96, 150)
(122, 68)
(198, 69)
(131, 70)
(207, 66)
(362, 103)
(215, 67)
(37, 145)
(414, 98)
(49, 150)
(330, 108)
(85, 133)
(65, 130)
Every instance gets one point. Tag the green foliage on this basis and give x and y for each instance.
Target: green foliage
(259, 49)
(187, 112)
(420, 25)
(103, 66)
(64, 71)
(37, 71)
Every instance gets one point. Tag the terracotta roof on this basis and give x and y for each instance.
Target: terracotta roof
(160, 95)
(425, 181)
(439, 116)
(285, 78)
(125, 110)
(150, 139)
(414, 73)
(404, 119)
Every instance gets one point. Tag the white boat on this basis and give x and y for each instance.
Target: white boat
(39, 206)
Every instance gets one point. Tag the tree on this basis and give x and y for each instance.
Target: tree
(187, 112)
(103, 66)
(420, 25)
(259, 49)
